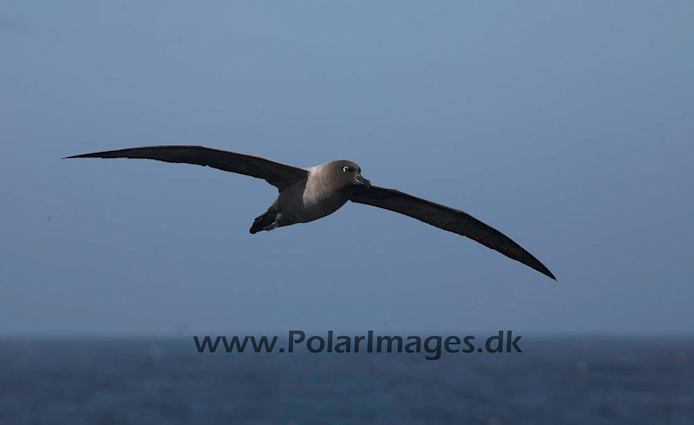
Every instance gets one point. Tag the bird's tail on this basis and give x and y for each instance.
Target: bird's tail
(265, 221)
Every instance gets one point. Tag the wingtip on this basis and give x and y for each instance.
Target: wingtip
(548, 273)
(538, 266)
(76, 156)
(535, 264)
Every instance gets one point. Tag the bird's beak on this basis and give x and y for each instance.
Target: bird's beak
(362, 181)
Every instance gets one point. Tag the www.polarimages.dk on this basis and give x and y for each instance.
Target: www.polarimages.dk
(433, 346)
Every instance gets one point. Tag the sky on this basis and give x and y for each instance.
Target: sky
(565, 125)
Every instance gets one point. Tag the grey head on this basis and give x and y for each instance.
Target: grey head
(342, 174)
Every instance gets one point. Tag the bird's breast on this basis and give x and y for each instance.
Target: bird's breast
(307, 201)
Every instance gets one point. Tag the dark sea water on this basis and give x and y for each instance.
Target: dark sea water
(554, 381)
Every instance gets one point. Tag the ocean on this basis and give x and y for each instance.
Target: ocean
(167, 381)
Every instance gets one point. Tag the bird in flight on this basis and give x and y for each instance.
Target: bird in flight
(307, 194)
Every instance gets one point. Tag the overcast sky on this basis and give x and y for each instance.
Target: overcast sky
(566, 125)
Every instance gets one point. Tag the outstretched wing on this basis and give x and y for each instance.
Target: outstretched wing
(275, 173)
(449, 219)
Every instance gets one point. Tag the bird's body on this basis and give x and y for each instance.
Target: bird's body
(310, 194)
(312, 198)
(321, 193)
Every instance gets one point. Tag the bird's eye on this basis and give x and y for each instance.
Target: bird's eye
(345, 168)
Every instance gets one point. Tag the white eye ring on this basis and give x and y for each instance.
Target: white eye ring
(345, 168)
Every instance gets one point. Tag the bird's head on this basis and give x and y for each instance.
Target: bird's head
(347, 173)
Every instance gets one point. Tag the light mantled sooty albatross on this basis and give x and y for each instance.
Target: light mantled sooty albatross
(307, 194)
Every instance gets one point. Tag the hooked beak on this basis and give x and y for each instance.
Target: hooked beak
(362, 181)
